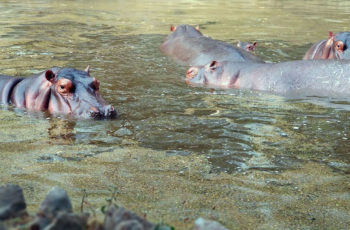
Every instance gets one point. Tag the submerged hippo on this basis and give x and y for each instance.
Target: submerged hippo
(63, 91)
(187, 45)
(335, 47)
(249, 47)
(307, 78)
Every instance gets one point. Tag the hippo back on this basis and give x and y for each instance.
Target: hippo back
(187, 45)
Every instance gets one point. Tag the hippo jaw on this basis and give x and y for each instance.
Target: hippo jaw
(75, 93)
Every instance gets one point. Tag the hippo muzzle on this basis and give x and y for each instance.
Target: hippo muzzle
(75, 93)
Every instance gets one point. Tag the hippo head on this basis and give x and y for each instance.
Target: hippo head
(249, 47)
(75, 92)
(209, 74)
(218, 74)
(342, 45)
(186, 30)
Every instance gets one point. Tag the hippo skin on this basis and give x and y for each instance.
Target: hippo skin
(187, 45)
(304, 78)
(61, 91)
(335, 47)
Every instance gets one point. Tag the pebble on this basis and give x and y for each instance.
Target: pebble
(202, 224)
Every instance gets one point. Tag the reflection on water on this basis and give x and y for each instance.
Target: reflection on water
(271, 161)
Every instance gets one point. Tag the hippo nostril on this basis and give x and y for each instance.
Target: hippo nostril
(191, 72)
(94, 114)
(110, 111)
(104, 112)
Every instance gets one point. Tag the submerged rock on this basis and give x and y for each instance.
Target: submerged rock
(123, 132)
(202, 224)
(116, 218)
(68, 221)
(12, 201)
(129, 225)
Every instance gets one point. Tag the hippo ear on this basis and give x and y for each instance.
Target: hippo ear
(172, 28)
(254, 44)
(213, 65)
(330, 34)
(50, 76)
(87, 70)
(197, 27)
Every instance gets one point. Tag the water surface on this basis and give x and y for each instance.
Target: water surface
(247, 159)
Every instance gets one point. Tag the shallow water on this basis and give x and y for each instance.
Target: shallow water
(176, 152)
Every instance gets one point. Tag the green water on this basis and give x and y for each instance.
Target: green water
(247, 159)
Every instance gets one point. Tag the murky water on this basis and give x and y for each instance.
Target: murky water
(250, 160)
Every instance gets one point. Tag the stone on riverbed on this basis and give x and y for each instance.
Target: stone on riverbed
(65, 221)
(12, 201)
(55, 202)
(2, 227)
(116, 218)
(202, 224)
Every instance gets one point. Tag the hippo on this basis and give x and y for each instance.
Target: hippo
(187, 45)
(303, 77)
(335, 47)
(60, 91)
(249, 47)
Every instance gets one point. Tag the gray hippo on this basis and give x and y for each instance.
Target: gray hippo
(187, 45)
(335, 47)
(308, 77)
(63, 91)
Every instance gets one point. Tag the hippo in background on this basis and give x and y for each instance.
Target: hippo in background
(249, 47)
(60, 91)
(301, 78)
(187, 45)
(335, 47)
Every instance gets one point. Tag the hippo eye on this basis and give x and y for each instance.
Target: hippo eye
(339, 46)
(64, 86)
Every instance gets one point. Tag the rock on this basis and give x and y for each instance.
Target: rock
(2, 227)
(123, 132)
(55, 201)
(12, 201)
(129, 225)
(68, 221)
(202, 224)
(115, 216)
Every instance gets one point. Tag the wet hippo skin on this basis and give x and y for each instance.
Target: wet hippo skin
(186, 45)
(335, 47)
(308, 77)
(63, 91)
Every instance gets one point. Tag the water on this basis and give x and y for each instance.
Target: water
(176, 152)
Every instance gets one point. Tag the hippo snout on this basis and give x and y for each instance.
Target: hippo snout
(107, 111)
